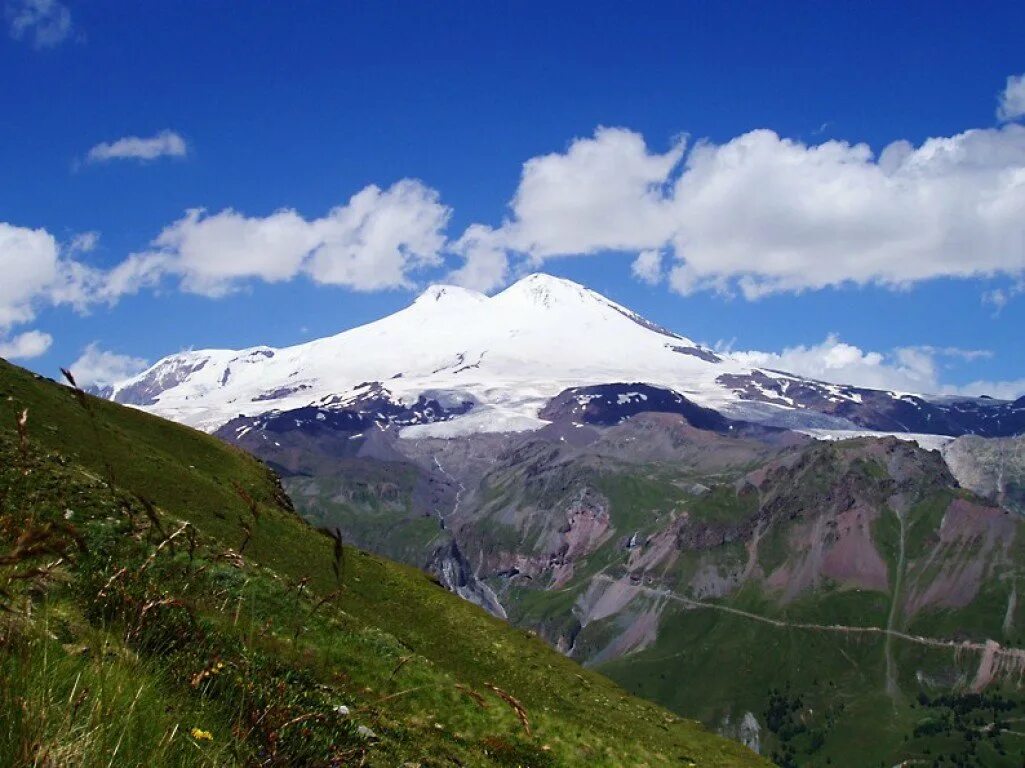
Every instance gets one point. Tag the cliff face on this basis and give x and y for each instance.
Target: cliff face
(993, 468)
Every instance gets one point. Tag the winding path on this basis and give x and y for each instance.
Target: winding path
(1011, 654)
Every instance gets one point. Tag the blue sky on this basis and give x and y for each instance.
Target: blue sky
(738, 146)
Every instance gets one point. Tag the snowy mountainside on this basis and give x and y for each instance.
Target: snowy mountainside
(458, 362)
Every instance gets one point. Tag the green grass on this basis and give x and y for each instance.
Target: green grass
(723, 504)
(371, 503)
(712, 665)
(635, 499)
(425, 671)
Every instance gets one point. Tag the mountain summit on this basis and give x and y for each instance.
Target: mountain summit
(493, 364)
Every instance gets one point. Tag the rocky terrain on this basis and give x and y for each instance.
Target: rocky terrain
(992, 468)
(663, 514)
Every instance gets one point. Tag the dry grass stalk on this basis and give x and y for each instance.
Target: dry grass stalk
(151, 513)
(254, 508)
(83, 400)
(338, 553)
(517, 707)
(247, 535)
(167, 542)
(475, 697)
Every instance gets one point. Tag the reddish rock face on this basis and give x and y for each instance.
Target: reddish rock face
(852, 557)
(972, 540)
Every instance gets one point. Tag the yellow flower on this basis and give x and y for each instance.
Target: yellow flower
(200, 735)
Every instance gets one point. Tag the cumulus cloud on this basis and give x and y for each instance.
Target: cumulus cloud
(379, 237)
(917, 369)
(647, 267)
(486, 265)
(1002, 390)
(764, 214)
(373, 242)
(44, 23)
(164, 144)
(604, 193)
(836, 361)
(98, 367)
(29, 263)
(38, 272)
(25, 345)
(1012, 99)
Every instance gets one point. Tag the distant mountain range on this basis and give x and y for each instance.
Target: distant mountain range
(456, 362)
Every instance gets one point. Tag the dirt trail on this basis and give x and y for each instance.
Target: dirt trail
(1015, 655)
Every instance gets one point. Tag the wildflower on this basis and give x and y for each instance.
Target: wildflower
(200, 735)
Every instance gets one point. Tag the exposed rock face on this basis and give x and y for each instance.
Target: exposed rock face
(994, 469)
(746, 730)
(880, 410)
(170, 372)
(371, 406)
(457, 576)
(608, 404)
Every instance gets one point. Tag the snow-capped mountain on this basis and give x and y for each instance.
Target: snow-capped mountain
(458, 362)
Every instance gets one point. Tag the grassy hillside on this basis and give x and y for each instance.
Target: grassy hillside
(837, 604)
(164, 606)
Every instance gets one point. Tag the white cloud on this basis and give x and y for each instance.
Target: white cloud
(763, 214)
(375, 240)
(139, 270)
(30, 266)
(46, 23)
(604, 193)
(836, 361)
(163, 144)
(1001, 297)
(486, 265)
(1002, 390)
(1012, 99)
(213, 252)
(766, 214)
(371, 243)
(97, 367)
(84, 242)
(25, 345)
(905, 369)
(647, 267)
(38, 273)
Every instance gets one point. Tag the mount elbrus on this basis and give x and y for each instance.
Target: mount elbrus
(662, 511)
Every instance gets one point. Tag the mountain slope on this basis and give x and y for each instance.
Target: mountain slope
(456, 362)
(159, 581)
(678, 552)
